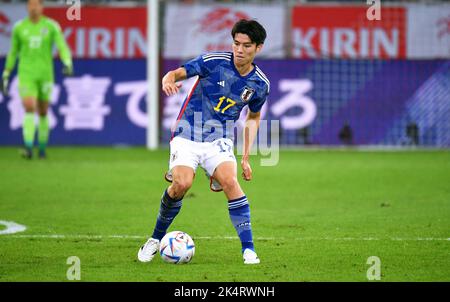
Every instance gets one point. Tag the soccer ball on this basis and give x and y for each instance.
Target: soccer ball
(177, 247)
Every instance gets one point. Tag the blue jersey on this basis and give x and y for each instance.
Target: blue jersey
(218, 96)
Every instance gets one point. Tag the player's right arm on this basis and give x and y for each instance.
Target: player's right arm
(13, 51)
(194, 67)
(169, 81)
(63, 48)
(10, 59)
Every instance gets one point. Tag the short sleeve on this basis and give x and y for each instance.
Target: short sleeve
(256, 104)
(196, 67)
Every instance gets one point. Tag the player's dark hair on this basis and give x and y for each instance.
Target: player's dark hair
(252, 29)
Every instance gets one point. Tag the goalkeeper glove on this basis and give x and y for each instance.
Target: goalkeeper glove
(4, 83)
(67, 70)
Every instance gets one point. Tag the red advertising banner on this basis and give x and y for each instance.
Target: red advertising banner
(190, 30)
(104, 32)
(347, 32)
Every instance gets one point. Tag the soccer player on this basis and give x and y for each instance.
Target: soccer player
(32, 41)
(226, 83)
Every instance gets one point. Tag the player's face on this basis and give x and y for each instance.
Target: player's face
(35, 8)
(244, 50)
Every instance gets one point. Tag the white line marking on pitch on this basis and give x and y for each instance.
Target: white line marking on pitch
(89, 237)
(11, 227)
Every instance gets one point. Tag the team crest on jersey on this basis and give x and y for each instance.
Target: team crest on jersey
(44, 31)
(247, 94)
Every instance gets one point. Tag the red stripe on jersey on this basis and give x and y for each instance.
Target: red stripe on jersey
(186, 102)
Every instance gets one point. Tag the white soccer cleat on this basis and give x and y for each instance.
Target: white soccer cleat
(148, 250)
(250, 257)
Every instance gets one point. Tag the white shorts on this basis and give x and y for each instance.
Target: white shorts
(209, 155)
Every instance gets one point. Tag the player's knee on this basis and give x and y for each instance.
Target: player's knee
(181, 186)
(42, 112)
(230, 184)
(29, 106)
(42, 108)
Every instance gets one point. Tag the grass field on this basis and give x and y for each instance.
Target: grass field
(316, 216)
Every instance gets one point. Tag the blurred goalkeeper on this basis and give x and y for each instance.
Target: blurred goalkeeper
(32, 41)
(226, 83)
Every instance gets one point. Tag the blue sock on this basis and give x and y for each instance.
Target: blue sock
(240, 217)
(168, 210)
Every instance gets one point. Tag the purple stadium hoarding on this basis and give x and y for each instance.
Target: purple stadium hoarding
(102, 104)
(375, 98)
(312, 99)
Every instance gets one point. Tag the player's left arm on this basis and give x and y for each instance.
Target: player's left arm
(64, 50)
(250, 130)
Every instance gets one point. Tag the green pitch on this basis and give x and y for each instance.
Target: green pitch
(316, 216)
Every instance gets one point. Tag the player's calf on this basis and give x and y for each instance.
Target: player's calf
(231, 187)
(42, 154)
(179, 188)
(239, 211)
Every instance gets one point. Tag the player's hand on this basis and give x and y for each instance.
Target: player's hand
(246, 169)
(171, 88)
(67, 70)
(4, 84)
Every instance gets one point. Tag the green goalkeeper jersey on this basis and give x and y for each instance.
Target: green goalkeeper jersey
(33, 44)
